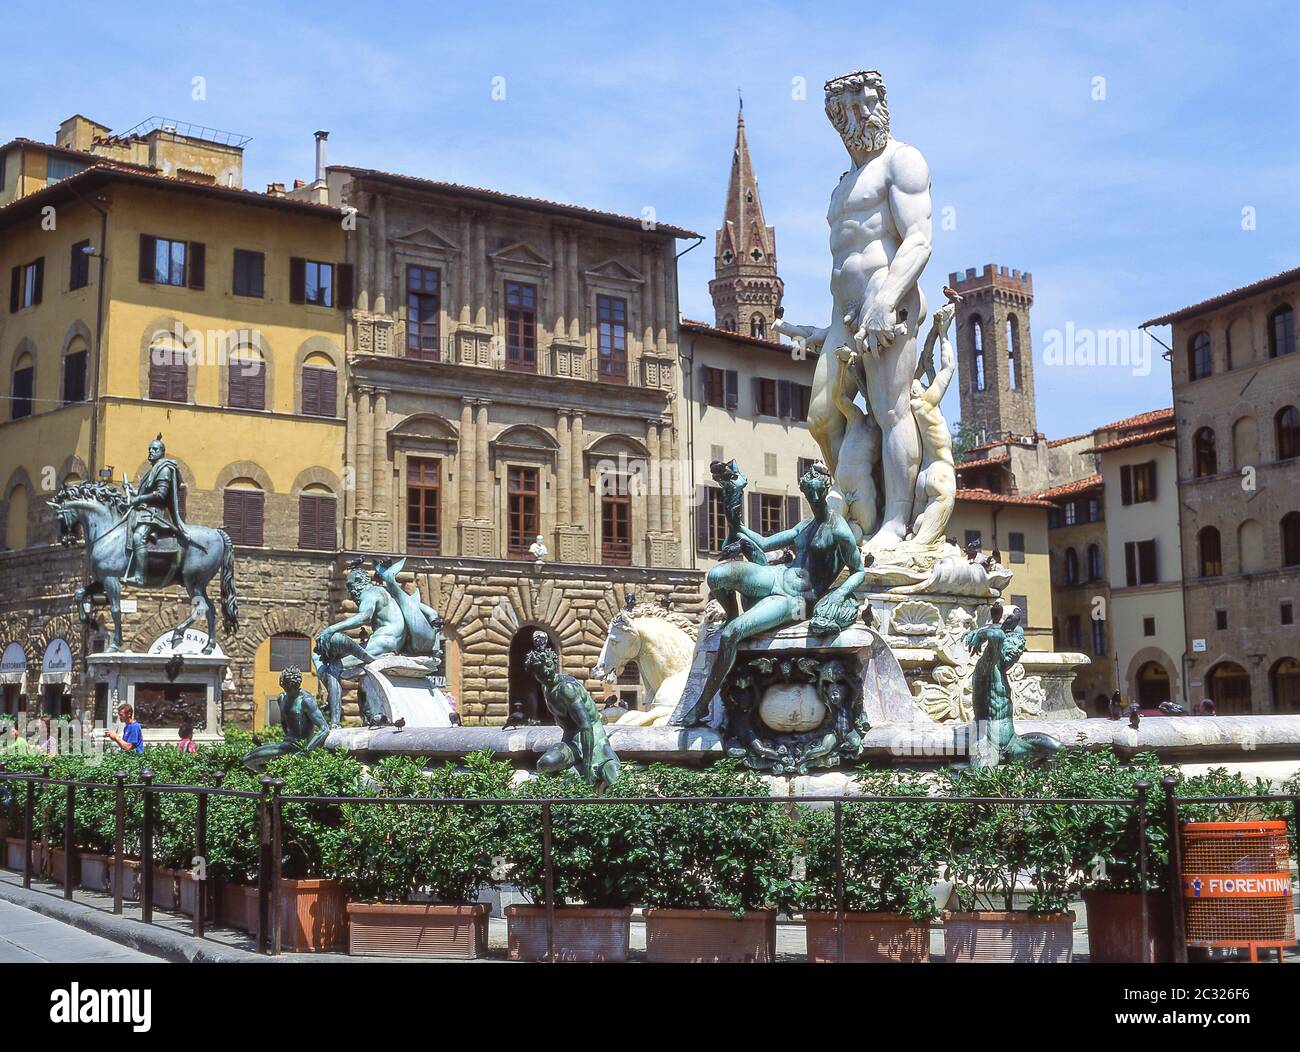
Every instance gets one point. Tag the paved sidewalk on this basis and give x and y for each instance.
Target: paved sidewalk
(27, 937)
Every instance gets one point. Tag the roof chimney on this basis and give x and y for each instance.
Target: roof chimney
(321, 136)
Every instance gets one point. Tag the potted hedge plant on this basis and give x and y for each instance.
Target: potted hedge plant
(891, 857)
(414, 873)
(995, 850)
(15, 796)
(596, 853)
(96, 827)
(713, 875)
(1104, 853)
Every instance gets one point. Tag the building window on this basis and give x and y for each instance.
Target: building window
(246, 380)
(1013, 353)
(320, 388)
(521, 510)
(1199, 362)
(1211, 552)
(974, 537)
(769, 464)
(1016, 544)
(320, 284)
(1228, 686)
(616, 528)
(1021, 603)
(79, 266)
(1286, 427)
(167, 262)
(770, 514)
(1286, 614)
(1221, 620)
(1074, 631)
(1071, 510)
(1071, 566)
(74, 376)
(1205, 460)
(1284, 679)
(521, 328)
(721, 387)
(244, 509)
(1281, 332)
(764, 396)
(59, 168)
(250, 274)
(1098, 638)
(611, 336)
(22, 388)
(977, 340)
(758, 327)
(1137, 482)
(711, 521)
(169, 373)
(792, 400)
(805, 465)
(1096, 571)
(1140, 562)
(423, 308)
(1094, 509)
(1291, 539)
(1148, 626)
(423, 506)
(317, 516)
(290, 649)
(26, 285)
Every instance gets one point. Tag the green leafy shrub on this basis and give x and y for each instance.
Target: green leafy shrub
(305, 829)
(892, 853)
(399, 853)
(712, 856)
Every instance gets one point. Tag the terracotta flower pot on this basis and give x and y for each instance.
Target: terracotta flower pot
(868, 938)
(584, 934)
(236, 905)
(710, 936)
(166, 893)
(14, 855)
(417, 929)
(991, 937)
(99, 873)
(313, 915)
(1115, 927)
(56, 861)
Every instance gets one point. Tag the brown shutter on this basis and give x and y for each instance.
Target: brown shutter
(345, 286)
(39, 284)
(1126, 484)
(148, 254)
(178, 376)
(316, 521)
(732, 397)
(755, 522)
(198, 260)
(328, 392)
(784, 399)
(310, 391)
(236, 385)
(297, 280)
(1130, 563)
(701, 518)
(257, 386)
(157, 378)
(15, 286)
(1151, 479)
(793, 512)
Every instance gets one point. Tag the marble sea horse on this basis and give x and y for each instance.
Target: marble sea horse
(995, 741)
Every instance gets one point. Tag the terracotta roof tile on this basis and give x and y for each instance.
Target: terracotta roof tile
(1223, 299)
(1069, 489)
(985, 496)
(987, 462)
(482, 194)
(1143, 420)
(1141, 438)
(705, 329)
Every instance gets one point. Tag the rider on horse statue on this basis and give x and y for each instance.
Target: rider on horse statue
(155, 509)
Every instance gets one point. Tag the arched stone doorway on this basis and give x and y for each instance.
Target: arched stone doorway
(1152, 682)
(523, 688)
(1284, 679)
(1228, 686)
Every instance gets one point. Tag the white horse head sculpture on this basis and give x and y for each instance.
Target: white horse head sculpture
(660, 641)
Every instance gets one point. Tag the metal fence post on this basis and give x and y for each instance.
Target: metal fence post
(146, 847)
(1142, 788)
(839, 881)
(549, 877)
(29, 810)
(201, 852)
(1178, 926)
(276, 862)
(263, 863)
(69, 835)
(119, 838)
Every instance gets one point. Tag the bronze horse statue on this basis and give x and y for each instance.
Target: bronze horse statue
(99, 511)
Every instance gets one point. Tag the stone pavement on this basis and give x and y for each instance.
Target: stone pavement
(27, 937)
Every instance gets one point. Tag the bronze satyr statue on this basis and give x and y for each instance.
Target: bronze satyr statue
(585, 745)
(304, 724)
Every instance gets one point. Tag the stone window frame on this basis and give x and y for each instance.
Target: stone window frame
(445, 448)
(77, 330)
(17, 477)
(229, 350)
(320, 345)
(633, 458)
(537, 271)
(625, 284)
(173, 327)
(427, 247)
(25, 346)
(510, 449)
(318, 476)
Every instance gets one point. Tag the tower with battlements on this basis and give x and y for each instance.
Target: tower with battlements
(995, 361)
(746, 288)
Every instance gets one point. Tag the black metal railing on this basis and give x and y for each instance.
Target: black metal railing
(271, 799)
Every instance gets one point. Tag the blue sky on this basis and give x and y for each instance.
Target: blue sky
(1122, 207)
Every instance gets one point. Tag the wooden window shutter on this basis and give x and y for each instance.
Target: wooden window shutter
(1130, 563)
(1151, 479)
(732, 389)
(345, 286)
(197, 257)
(256, 382)
(702, 518)
(15, 289)
(755, 512)
(306, 521)
(784, 399)
(148, 252)
(38, 286)
(157, 377)
(1126, 484)
(236, 385)
(297, 280)
(178, 376)
(319, 391)
(328, 392)
(316, 521)
(793, 512)
(310, 391)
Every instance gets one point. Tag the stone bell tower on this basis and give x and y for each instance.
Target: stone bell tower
(995, 361)
(746, 289)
